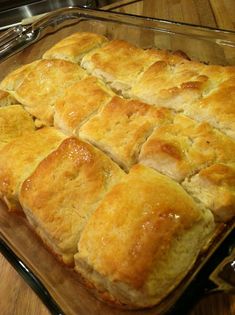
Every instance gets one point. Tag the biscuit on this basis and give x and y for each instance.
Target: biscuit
(202, 92)
(143, 239)
(75, 46)
(121, 127)
(44, 84)
(118, 63)
(14, 122)
(182, 148)
(214, 186)
(19, 158)
(14, 79)
(63, 192)
(79, 102)
(217, 105)
(171, 85)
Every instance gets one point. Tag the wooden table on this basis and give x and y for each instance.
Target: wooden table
(16, 297)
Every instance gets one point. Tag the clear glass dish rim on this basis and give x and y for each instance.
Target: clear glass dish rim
(122, 16)
(22, 36)
(167, 21)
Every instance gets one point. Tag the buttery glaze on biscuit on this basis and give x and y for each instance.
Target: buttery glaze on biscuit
(44, 84)
(203, 92)
(14, 122)
(170, 83)
(182, 148)
(63, 192)
(214, 186)
(79, 102)
(135, 250)
(122, 126)
(20, 157)
(75, 46)
(14, 79)
(118, 63)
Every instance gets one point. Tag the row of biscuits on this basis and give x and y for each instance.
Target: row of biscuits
(60, 92)
(202, 92)
(85, 208)
(176, 146)
(72, 193)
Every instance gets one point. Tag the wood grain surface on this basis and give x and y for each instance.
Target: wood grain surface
(16, 297)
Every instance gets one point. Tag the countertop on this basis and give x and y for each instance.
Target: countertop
(16, 297)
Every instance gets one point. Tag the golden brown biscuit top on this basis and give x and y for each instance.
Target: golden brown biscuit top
(13, 80)
(220, 175)
(65, 189)
(45, 84)
(74, 47)
(170, 57)
(190, 144)
(217, 106)
(198, 90)
(214, 186)
(72, 159)
(14, 122)
(118, 61)
(79, 102)
(122, 126)
(138, 230)
(19, 157)
(6, 99)
(164, 81)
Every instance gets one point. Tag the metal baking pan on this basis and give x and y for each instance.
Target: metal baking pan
(58, 286)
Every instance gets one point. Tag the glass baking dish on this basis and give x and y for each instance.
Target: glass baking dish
(60, 287)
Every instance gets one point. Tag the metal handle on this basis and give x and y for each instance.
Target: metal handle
(10, 35)
(17, 38)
